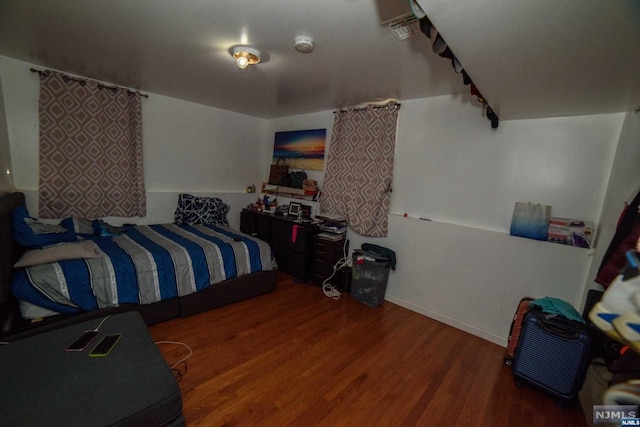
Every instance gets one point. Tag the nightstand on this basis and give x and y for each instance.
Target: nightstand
(326, 253)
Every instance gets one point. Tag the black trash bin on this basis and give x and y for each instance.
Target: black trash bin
(369, 276)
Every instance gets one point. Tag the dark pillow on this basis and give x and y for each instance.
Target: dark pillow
(201, 210)
(31, 233)
(101, 228)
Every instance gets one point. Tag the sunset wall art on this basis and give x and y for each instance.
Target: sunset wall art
(300, 149)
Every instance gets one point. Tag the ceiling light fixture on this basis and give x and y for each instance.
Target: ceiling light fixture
(245, 56)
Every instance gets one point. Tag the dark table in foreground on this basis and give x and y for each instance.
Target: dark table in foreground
(44, 385)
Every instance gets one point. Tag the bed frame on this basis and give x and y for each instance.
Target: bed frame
(11, 322)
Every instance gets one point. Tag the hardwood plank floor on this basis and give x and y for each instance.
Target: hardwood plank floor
(295, 357)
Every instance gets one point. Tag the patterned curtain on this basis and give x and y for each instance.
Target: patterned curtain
(90, 149)
(359, 172)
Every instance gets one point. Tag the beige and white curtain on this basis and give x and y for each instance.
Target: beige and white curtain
(359, 171)
(90, 149)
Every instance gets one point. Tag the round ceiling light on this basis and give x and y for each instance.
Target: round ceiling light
(303, 44)
(245, 56)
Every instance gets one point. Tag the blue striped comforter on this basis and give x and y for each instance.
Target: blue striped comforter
(144, 265)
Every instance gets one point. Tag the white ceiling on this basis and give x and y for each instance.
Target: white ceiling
(539, 58)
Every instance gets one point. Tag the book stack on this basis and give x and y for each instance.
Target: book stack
(333, 226)
(330, 236)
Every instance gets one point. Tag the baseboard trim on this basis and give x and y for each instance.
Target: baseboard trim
(501, 341)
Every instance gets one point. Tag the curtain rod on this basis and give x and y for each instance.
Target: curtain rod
(66, 78)
(375, 107)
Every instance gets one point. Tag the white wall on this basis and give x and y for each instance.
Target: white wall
(462, 267)
(198, 148)
(452, 167)
(473, 278)
(187, 147)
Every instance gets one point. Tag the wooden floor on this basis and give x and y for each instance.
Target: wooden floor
(295, 357)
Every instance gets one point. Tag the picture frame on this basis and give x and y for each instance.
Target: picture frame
(300, 149)
(306, 211)
(294, 209)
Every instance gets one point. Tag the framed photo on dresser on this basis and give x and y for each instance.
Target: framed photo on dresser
(294, 209)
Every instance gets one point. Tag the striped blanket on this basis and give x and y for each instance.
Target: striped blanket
(143, 265)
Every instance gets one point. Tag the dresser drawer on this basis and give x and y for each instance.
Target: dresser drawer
(326, 254)
(321, 266)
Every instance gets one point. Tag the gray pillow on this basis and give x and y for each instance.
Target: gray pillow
(61, 252)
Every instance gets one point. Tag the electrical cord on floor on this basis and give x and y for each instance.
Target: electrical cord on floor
(330, 290)
(179, 374)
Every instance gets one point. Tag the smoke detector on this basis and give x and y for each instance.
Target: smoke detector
(303, 44)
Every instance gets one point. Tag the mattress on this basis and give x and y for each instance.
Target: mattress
(143, 265)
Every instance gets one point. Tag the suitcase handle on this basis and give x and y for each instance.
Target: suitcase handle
(558, 325)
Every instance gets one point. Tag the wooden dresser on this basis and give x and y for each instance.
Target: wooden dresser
(291, 241)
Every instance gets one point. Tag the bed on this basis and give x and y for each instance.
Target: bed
(164, 271)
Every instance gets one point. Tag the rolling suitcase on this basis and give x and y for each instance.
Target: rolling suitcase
(552, 355)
